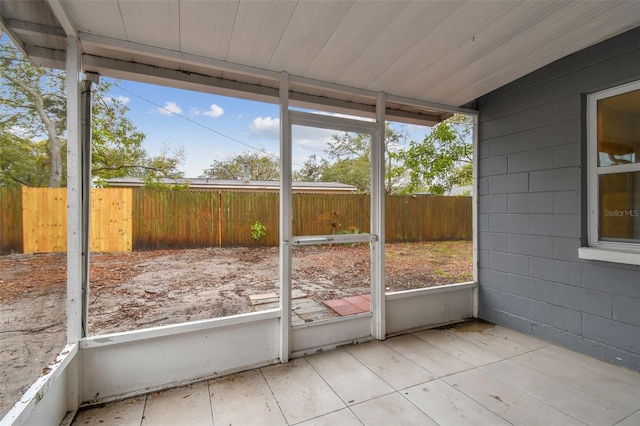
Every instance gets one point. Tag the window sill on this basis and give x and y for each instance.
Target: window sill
(628, 257)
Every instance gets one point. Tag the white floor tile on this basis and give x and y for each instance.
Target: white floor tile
(244, 399)
(186, 405)
(600, 368)
(499, 340)
(448, 406)
(300, 392)
(569, 400)
(427, 356)
(348, 377)
(127, 412)
(391, 409)
(632, 420)
(508, 402)
(462, 349)
(607, 382)
(389, 365)
(342, 417)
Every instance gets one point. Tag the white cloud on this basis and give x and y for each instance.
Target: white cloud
(123, 99)
(267, 127)
(214, 111)
(169, 108)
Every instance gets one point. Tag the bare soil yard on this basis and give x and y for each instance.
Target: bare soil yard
(144, 289)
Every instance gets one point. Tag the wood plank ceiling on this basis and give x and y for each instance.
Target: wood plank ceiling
(444, 52)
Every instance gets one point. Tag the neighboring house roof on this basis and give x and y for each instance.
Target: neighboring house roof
(237, 185)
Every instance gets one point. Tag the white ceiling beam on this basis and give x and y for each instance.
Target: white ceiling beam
(167, 54)
(61, 12)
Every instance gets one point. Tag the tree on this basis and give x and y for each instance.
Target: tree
(262, 166)
(32, 145)
(311, 170)
(33, 102)
(352, 161)
(442, 160)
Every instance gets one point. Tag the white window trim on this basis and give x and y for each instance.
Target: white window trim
(628, 253)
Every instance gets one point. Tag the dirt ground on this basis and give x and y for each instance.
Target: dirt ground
(145, 289)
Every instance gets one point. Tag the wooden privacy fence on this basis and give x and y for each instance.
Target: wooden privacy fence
(43, 219)
(33, 220)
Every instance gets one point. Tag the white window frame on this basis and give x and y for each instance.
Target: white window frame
(609, 251)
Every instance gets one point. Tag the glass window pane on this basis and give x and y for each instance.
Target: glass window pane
(620, 207)
(619, 129)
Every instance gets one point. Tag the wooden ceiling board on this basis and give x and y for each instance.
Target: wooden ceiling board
(257, 31)
(152, 22)
(100, 18)
(206, 27)
(310, 27)
(410, 28)
(454, 40)
(350, 39)
(520, 54)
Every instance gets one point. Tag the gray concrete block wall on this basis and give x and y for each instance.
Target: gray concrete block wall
(532, 215)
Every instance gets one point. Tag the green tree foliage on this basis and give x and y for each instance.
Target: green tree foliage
(442, 160)
(32, 104)
(32, 144)
(351, 155)
(262, 166)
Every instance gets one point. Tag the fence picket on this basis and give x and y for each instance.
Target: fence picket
(144, 219)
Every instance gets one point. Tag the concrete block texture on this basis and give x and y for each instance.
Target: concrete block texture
(555, 180)
(614, 333)
(537, 159)
(626, 309)
(511, 263)
(531, 202)
(513, 182)
(534, 245)
(536, 129)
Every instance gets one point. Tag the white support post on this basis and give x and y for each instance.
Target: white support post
(75, 261)
(378, 325)
(474, 212)
(285, 220)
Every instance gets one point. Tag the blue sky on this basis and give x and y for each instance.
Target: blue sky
(212, 127)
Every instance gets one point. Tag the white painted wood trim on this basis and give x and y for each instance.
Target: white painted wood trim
(474, 210)
(609, 255)
(309, 119)
(74, 194)
(132, 336)
(378, 221)
(63, 16)
(51, 396)
(286, 215)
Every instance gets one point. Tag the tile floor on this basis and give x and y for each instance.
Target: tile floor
(471, 374)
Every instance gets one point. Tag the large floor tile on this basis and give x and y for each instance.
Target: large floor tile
(344, 417)
(569, 400)
(632, 420)
(244, 399)
(427, 356)
(300, 391)
(498, 340)
(508, 402)
(389, 365)
(600, 368)
(448, 406)
(184, 405)
(391, 409)
(607, 382)
(127, 412)
(348, 377)
(462, 349)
